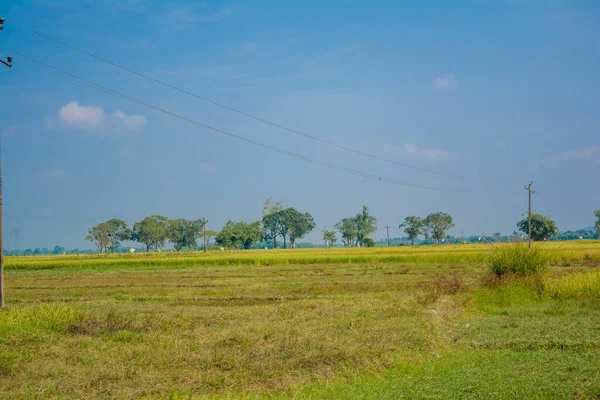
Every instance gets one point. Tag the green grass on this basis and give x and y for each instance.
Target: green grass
(407, 322)
(517, 258)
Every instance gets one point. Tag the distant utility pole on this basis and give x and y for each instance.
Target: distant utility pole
(462, 235)
(204, 231)
(387, 228)
(16, 234)
(528, 188)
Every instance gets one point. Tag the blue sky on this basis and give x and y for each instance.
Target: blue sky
(503, 91)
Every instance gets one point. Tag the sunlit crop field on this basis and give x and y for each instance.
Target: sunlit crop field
(418, 322)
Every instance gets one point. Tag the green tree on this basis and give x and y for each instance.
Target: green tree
(437, 225)
(153, 231)
(413, 227)
(299, 225)
(542, 227)
(348, 231)
(99, 236)
(240, 234)
(329, 237)
(365, 225)
(597, 215)
(117, 232)
(184, 233)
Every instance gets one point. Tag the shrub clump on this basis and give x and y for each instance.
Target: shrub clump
(517, 259)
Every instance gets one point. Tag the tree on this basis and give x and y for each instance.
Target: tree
(365, 225)
(437, 224)
(273, 223)
(597, 215)
(369, 242)
(184, 233)
(329, 237)
(209, 235)
(152, 231)
(272, 218)
(240, 234)
(299, 225)
(58, 250)
(348, 231)
(542, 227)
(99, 236)
(117, 231)
(413, 227)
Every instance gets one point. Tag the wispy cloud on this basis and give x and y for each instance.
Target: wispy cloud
(412, 150)
(9, 131)
(586, 153)
(447, 81)
(248, 47)
(93, 118)
(54, 176)
(208, 167)
(132, 123)
(185, 16)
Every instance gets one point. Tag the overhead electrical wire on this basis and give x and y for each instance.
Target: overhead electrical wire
(326, 164)
(248, 115)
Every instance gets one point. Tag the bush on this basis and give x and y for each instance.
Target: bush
(517, 259)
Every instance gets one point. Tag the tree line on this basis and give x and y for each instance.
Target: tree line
(289, 225)
(282, 226)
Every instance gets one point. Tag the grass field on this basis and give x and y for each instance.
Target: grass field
(421, 322)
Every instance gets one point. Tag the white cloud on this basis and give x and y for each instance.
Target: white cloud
(132, 123)
(445, 82)
(586, 153)
(412, 150)
(409, 148)
(78, 116)
(435, 154)
(82, 117)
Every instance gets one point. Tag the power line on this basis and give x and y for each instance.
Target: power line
(263, 120)
(235, 136)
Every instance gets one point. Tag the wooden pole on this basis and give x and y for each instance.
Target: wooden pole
(387, 228)
(528, 188)
(205, 222)
(2, 298)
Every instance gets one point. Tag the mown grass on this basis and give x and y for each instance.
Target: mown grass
(383, 329)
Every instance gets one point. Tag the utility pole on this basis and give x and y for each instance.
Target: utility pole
(204, 231)
(8, 63)
(325, 237)
(387, 228)
(462, 235)
(1, 243)
(528, 188)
